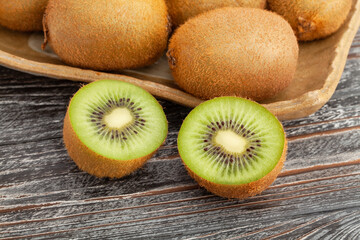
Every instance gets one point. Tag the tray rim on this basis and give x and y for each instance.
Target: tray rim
(299, 107)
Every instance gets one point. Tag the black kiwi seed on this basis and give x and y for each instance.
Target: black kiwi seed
(98, 113)
(227, 157)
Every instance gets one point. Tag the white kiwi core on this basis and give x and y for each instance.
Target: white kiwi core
(231, 141)
(118, 118)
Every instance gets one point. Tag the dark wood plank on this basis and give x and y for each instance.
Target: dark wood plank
(43, 194)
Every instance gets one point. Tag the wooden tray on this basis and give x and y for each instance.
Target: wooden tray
(321, 64)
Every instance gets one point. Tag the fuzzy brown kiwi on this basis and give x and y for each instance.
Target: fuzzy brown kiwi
(233, 147)
(181, 10)
(111, 128)
(312, 19)
(107, 35)
(22, 15)
(243, 52)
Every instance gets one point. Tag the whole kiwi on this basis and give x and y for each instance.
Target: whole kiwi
(245, 52)
(22, 15)
(182, 10)
(107, 35)
(312, 19)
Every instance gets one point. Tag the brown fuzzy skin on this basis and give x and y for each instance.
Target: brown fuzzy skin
(22, 15)
(181, 10)
(244, 190)
(107, 35)
(244, 52)
(92, 162)
(312, 19)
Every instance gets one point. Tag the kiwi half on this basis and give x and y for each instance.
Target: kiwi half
(233, 147)
(111, 128)
(107, 35)
(312, 19)
(181, 10)
(246, 52)
(22, 15)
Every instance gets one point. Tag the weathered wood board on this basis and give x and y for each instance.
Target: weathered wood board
(44, 195)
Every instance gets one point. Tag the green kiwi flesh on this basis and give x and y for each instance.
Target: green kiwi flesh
(231, 141)
(115, 121)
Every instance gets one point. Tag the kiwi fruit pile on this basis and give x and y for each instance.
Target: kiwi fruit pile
(246, 52)
(233, 147)
(181, 10)
(107, 35)
(230, 51)
(312, 19)
(111, 128)
(22, 15)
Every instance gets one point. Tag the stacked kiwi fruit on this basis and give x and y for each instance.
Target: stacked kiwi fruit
(232, 52)
(217, 47)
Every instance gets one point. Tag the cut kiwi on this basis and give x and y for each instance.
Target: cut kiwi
(111, 128)
(233, 147)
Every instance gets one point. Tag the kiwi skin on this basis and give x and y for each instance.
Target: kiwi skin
(22, 15)
(181, 10)
(244, 190)
(312, 19)
(97, 37)
(94, 163)
(255, 61)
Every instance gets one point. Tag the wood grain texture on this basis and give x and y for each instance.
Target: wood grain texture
(43, 195)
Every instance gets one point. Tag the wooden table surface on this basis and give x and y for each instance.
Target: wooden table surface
(44, 195)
